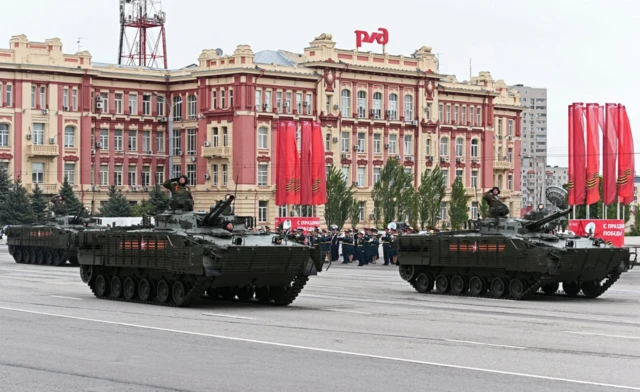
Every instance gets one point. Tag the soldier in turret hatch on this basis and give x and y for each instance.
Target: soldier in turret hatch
(181, 197)
(497, 208)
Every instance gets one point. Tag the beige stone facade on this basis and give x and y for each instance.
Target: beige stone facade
(101, 124)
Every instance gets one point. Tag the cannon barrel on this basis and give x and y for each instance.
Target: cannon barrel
(535, 225)
(76, 217)
(217, 210)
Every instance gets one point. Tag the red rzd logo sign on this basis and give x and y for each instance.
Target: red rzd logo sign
(381, 37)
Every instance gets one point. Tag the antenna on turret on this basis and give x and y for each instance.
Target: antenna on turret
(235, 192)
(478, 204)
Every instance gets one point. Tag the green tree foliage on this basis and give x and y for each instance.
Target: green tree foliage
(458, 205)
(144, 207)
(339, 198)
(16, 208)
(5, 184)
(414, 209)
(596, 212)
(484, 209)
(431, 192)
(70, 204)
(354, 213)
(116, 205)
(159, 200)
(391, 195)
(38, 204)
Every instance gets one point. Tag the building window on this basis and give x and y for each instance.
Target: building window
(43, 97)
(345, 103)
(192, 104)
(104, 139)
(160, 142)
(444, 146)
(177, 142)
(464, 115)
(104, 175)
(159, 174)
(443, 210)
(377, 140)
(474, 178)
(118, 103)
(459, 147)
(510, 182)
(146, 105)
(428, 147)
(361, 211)
(448, 114)
(214, 171)
(327, 141)
(360, 177)
(225, 137)
(231, 98)
(131, 175)
(102, 102)
(69, 136)
(160, 105)
(393, 141)
(328, 104)
(145, 178)
(263, 208)
(4, 135)
(474, 210)
(345, 173)
(8, 95)
(393, 107)
(191, 174)
(377, 105)
(117, 175)
(279, 101)
(499, 128)
(459, 175)
(361, 142)
(38, 134)
(510, 154)
(133, 141)
(376, 175)
(33, 96)
(282, 211)
(37, 173)
(307, 104)
(471, 110)
(510, 128)
(456, 114)
(192, 141)
(299, 103)
(479, 116)
(214, 99)
(362, 104)
(177, 170)
(65, 97)
(258, 99)
(262, 175)
(133, 104)
(225, 175)
(223, 100)
(474, 148)
(177, 108)
(216, 137)
(117, 140)
(408, 145)
(408, 107)
(440, 113)
(262, 137)
(345, 142)
(267, 101)
(146, 142)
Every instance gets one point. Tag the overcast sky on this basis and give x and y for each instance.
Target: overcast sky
(580, 50)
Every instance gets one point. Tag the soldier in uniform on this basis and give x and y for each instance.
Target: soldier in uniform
(386, 246)
(394, 247)
(347, 247)
(497, 208)
(181, 197)
(358, 247)
(335, 243)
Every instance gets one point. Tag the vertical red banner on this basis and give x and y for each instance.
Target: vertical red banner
(579, 154)
(293, 165)
(609, 153)
(318, 167)
(593, 151)
(626, 161)
(280, 161)
(571, 186)
(306, 168)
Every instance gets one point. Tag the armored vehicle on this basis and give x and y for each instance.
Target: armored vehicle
(511, 258)
(52, 243)
(186, 254)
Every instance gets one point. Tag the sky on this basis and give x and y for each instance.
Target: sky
(580, 50)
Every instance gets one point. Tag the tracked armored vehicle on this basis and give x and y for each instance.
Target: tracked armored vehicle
(186, 254)
(52, 243)
(511, 258)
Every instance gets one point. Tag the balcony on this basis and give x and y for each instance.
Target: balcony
(41, 150)
(47, 189)
(502, 165)
(216, 152)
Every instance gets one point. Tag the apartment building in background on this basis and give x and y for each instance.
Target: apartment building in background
(215, 121)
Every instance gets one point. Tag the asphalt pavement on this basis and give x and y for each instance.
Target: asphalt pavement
(352, 328)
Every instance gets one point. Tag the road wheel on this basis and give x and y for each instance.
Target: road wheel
(163, 291)
(424, 283)
(178, 293)
(459, 285)
(129, 289)
(17, 256)
(572, 289)
(244, 293)
(442, 284)
(40, 257)
(407, 272)
(551, 288)
(517, 288)
(144, 290)
(591, 289)
(498, 287)
(101, 286)
(116, 287)
(477, 286)
(86, 273)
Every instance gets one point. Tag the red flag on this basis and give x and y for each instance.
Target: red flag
(626, 161)
(306, 170)
(280, 159)
(319, 174)
(593, 149)
(579, 158)
(292, 165)
(609, 152)
(571, 186)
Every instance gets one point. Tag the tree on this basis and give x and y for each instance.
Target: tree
(596, 212)
(38, 204)
(431, 192)
(339, 198)
(116, 205)
(458, 205)
(354, 213)
(70, 204)
(414, 211)
(142, 208)
(16, 209)
(159, 200)
(390, 194)
(5, 184)
(484, 209)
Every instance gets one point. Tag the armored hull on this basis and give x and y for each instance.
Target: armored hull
(510, 259)
(183, 257)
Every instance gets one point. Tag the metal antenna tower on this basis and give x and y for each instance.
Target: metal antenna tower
(142, 36)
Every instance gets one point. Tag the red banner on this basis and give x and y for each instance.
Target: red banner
(287, 165)
(593, 153)
(610, 230)
(571, 186)
(626, 159)
(318, 167)
(307, 224)
(281, 174)
(609, 153)
(577, 156)
(306, 171)
(294, 159)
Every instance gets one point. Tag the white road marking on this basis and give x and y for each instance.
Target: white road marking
(325, 287)
(324, 350)
(63, 297)
(228, 316)
(604, 334)
(484, 344)
(345, 311)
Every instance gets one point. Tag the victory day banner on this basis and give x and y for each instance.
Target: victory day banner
(610, 230)
(307, 224)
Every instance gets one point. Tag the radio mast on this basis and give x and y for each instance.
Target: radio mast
(142, 35)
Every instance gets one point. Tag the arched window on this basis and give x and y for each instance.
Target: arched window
(362, 104)
(474, 148)
(444, 146)
(377, 105)
(459, 147)
(408, 107)
(69, 136)
(263, 133)
(393, 107)
(345, 104)
(4, 135)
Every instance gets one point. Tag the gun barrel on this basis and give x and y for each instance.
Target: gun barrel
(219, 208)
(539, 223)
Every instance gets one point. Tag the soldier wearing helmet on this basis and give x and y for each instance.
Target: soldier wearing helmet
(497, 208)
(181, 198)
